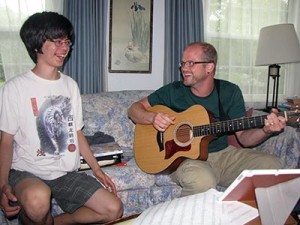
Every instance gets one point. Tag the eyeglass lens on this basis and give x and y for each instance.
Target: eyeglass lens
(190, 63)
(60, 43)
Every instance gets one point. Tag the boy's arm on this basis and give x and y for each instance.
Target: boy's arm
(6, 192)
(6, 154)
(89, 157)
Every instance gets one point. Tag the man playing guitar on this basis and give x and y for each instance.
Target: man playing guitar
(224, 100)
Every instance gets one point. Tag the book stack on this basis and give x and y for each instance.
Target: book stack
(106, 154)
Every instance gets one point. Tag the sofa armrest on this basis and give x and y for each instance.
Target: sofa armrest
(285, 146)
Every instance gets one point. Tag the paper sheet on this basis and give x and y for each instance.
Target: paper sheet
(203, 208)
(275, 203)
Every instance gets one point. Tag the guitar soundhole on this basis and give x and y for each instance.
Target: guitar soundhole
(184, 134)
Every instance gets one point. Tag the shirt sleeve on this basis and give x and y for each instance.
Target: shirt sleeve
(77, 101)
(168, 95)
(9, 109)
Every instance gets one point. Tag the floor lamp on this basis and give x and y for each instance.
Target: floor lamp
(277, 44)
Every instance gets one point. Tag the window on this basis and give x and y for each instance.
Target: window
(2, 78)
(233, 27)
(14, 58)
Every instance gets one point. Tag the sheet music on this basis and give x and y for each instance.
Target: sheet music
(203, 208)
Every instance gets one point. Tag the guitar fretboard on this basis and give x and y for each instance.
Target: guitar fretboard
(229, 126)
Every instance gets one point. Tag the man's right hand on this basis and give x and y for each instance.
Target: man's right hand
(161, 121)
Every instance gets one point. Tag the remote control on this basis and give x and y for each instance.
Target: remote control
(13, 203)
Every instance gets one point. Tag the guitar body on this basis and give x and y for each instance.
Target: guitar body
(157, 152)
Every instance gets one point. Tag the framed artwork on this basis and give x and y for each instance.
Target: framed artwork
(130, 36)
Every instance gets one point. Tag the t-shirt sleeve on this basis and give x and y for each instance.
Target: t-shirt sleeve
(167, 95)
(159, 97)
(78, 108)
(9, 109)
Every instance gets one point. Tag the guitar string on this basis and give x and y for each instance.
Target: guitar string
(225, 126)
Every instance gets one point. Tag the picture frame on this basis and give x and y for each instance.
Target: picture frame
(130, 36)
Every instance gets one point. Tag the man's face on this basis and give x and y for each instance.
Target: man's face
(193, 67)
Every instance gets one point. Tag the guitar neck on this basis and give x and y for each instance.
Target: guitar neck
(229, 126)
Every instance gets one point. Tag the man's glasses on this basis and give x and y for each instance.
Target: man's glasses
(191, 63)
(59, 43)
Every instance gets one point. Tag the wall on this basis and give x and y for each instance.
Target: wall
(154, 80)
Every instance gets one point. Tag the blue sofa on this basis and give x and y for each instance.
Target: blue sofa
(107, 112)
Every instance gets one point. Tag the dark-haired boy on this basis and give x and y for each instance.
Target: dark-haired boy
(41, 137)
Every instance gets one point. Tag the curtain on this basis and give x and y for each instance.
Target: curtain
(14, 58)
(88, 59)
(293, 74)
(183, 24)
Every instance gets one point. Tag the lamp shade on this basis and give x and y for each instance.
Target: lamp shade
(277, 44)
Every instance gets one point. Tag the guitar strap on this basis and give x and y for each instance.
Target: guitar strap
(223, 115)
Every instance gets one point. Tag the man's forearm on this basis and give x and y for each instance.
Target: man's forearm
(253, 137)
(138, 114)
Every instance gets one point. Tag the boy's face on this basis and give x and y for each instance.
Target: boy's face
(54, 52)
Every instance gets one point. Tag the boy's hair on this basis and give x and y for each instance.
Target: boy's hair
(43, 26)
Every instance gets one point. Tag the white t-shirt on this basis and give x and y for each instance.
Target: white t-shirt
(44, 117)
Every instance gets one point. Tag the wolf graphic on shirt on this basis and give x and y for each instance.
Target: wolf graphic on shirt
(52, 124)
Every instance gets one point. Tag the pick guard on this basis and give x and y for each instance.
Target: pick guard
(172, 148)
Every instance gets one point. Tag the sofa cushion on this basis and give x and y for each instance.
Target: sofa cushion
(107, 112)
(128, 177)
(285, 146)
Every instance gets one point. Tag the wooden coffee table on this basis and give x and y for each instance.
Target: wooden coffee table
(124, 220)
(290, 220)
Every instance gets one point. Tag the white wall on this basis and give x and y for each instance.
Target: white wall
(150, 81)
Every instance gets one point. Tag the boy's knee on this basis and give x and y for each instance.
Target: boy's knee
(36, 201)
(113, 211)
(117, 210)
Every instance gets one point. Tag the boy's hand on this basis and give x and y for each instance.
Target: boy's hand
(105, 180)
(8, 202)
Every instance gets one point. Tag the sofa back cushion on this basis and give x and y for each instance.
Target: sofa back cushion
(107, 112)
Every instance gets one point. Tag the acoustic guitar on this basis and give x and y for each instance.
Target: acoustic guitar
(193, 129)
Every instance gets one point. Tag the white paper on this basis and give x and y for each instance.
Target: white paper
(238, 213)
(203, 208)
(275, 203)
